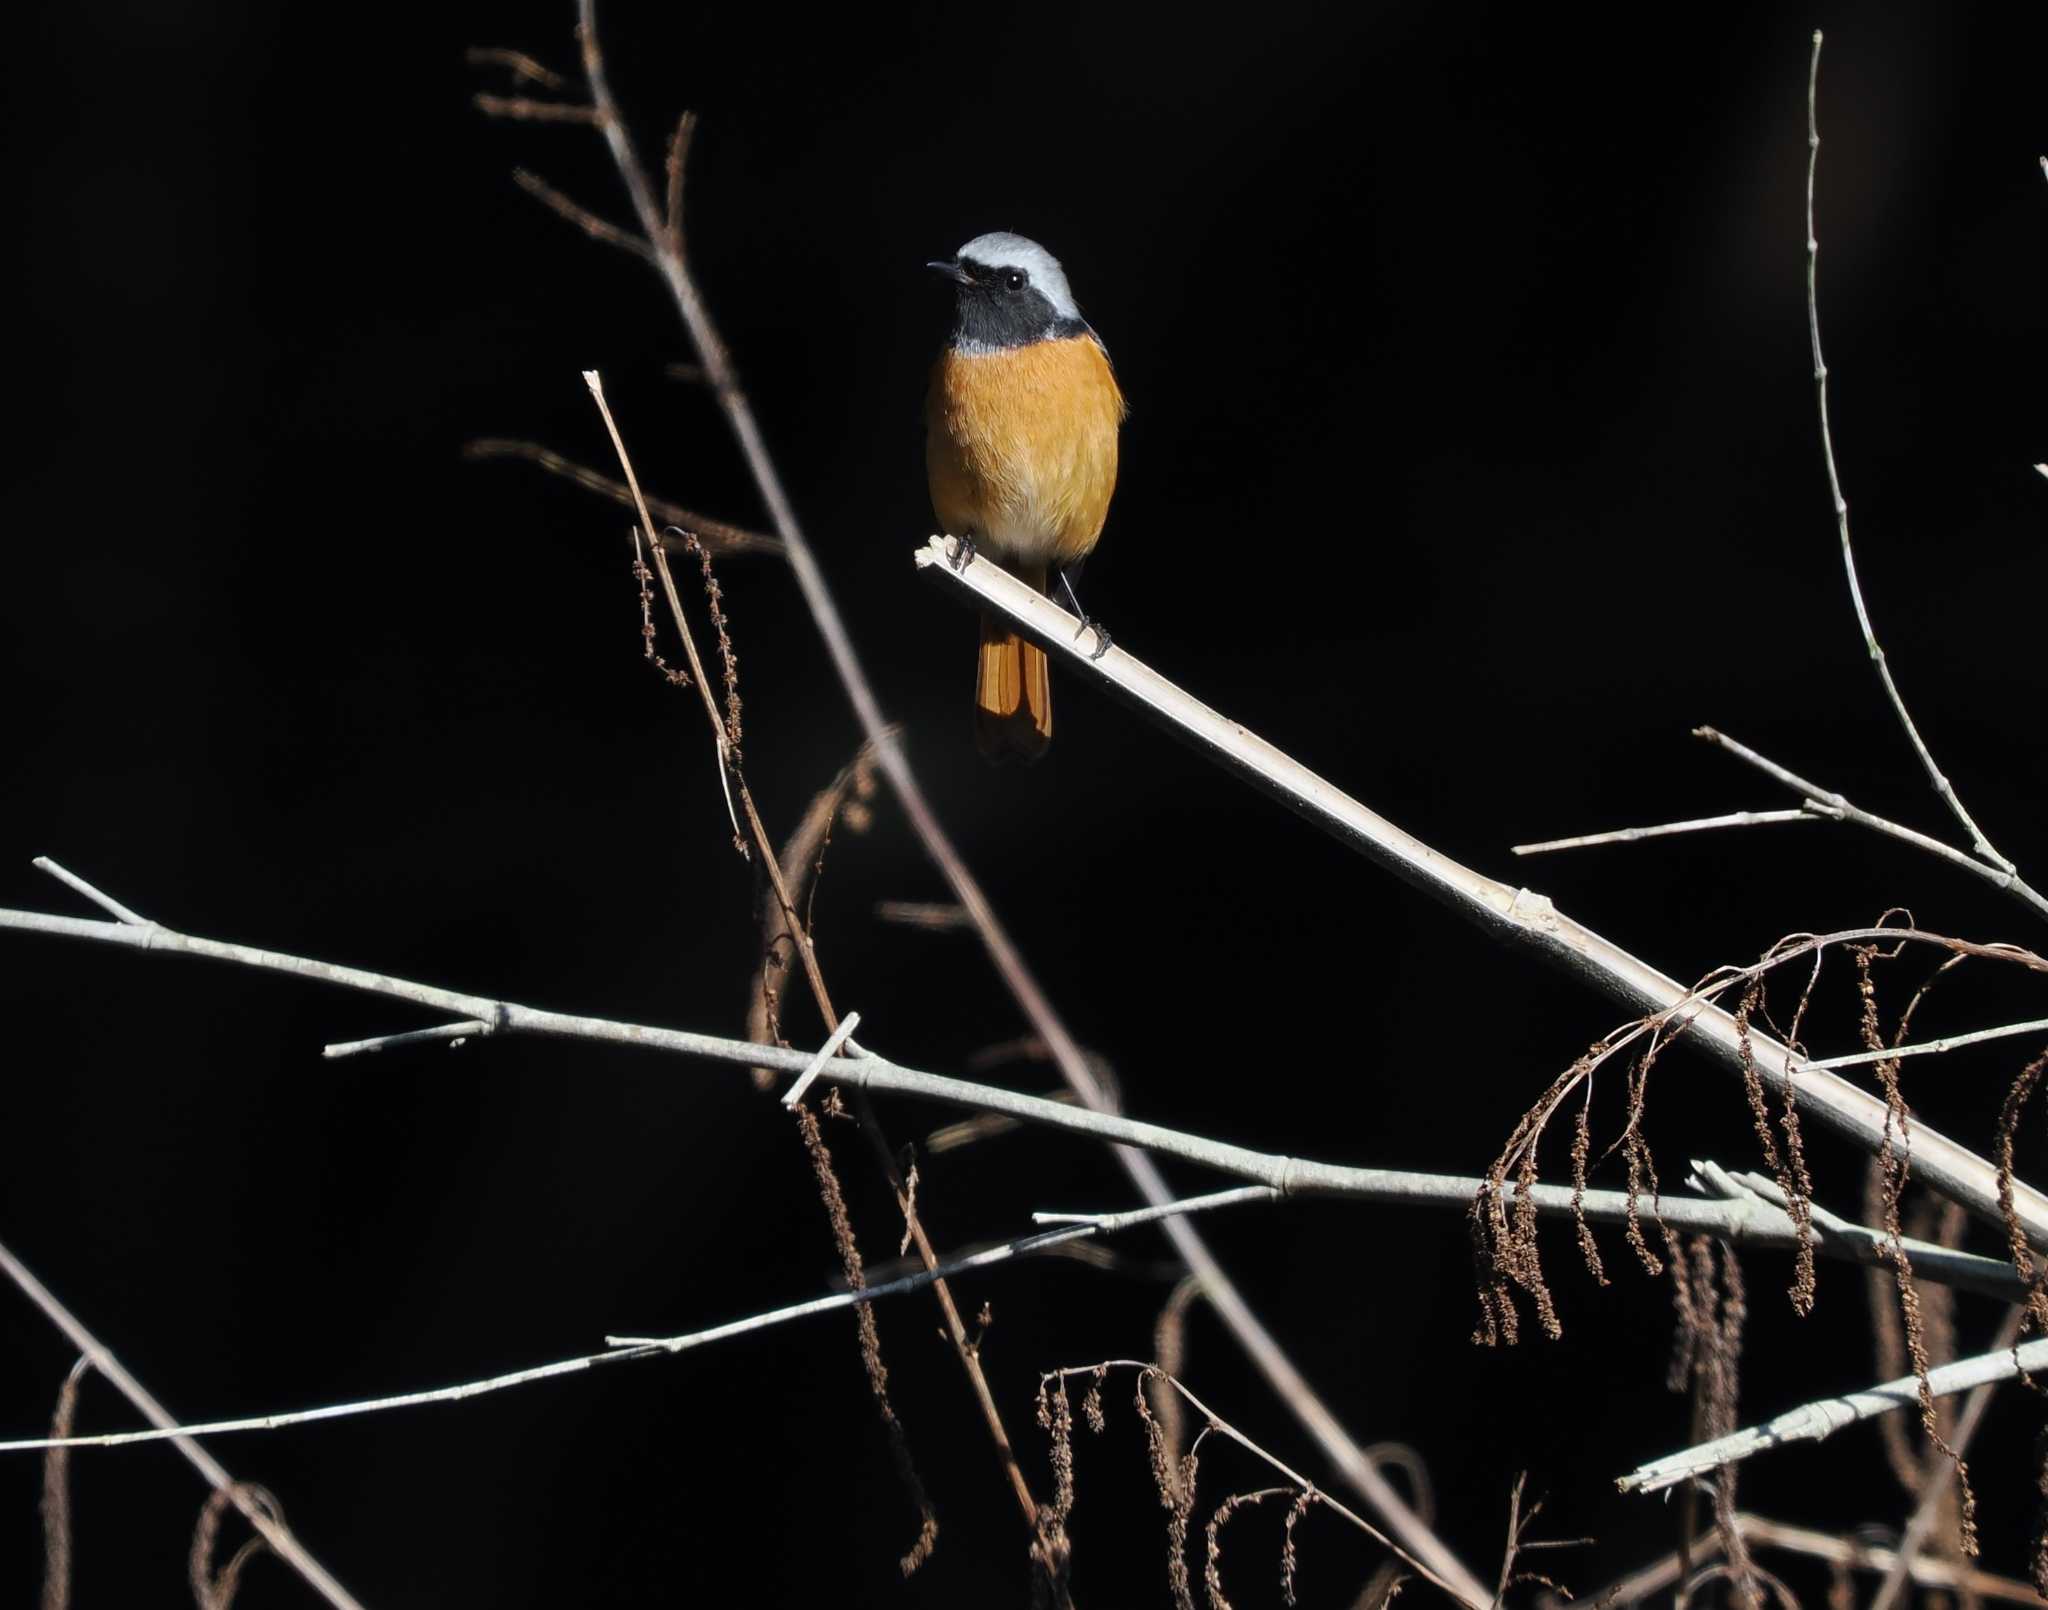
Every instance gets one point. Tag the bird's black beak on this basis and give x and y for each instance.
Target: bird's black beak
(953, 271)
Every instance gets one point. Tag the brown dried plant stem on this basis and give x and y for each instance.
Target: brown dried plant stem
(763, 848)
(1517, 916)
(662, 244)
(661, 229)
(281, 1539)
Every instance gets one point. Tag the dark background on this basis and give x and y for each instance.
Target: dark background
(1471, 459)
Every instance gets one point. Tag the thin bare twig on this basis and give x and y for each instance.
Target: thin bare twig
(581, 216)
(455, 1034)
(719, 536)
(523, 109)
(1928, 1048)
(520, 65)
(936, 915)
(678, 165)
(280, 1538)
(1520, 916)
(1826, 802)
(1631, 835)
(106, 902)
(619, 1350)
(816, 1065)
(1978, 841)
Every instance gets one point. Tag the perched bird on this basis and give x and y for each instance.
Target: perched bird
(1020, 451)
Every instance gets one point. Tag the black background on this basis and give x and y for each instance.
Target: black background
(1471, 459)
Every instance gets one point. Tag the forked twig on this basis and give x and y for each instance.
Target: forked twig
(1827, 802)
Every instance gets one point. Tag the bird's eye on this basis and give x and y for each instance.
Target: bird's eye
(1013, 281)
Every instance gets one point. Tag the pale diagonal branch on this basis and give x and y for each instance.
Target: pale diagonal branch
(1520, 916)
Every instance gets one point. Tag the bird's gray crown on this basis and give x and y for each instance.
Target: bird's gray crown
(1001, 249)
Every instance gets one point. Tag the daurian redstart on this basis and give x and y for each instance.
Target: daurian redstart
(1020, 450)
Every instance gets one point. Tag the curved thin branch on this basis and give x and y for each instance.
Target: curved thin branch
(1942, 786)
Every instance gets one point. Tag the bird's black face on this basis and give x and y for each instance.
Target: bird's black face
(998, 307)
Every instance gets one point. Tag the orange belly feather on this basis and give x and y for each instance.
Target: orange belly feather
(1020, 451)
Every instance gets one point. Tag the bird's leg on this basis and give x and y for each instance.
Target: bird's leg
(1073, 601)
(963, 551)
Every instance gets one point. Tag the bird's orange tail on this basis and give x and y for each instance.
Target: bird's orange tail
(1012, 695)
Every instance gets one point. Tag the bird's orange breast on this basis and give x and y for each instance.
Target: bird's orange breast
(1020, 448)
